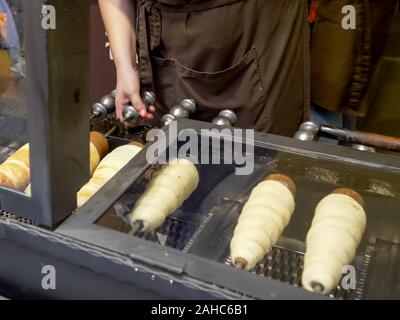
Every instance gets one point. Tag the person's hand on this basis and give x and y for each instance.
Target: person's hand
(128, 92)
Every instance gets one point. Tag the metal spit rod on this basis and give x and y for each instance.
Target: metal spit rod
(308, 131)
(365, 138)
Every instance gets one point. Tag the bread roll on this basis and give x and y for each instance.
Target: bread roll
(165, 194)
(262, 220)
(335, 233)
(15, 171)
(98, 149)
(108, 168)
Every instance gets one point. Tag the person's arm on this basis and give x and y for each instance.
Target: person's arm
(119, 20)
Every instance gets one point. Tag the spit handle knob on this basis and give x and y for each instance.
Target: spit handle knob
(130, 115)
(222, 122)
(308, 131)
(167, 119)
(98, 111)
(304, 135)
(189, 104)
(226, 118)
(149, 98)
(230, 115)
(109, 103)
(310, 126)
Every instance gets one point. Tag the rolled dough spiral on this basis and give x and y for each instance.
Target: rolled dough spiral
(262, 220)
(108, 168)
(165, 193)
(335, 233)
(98, 148)
(15, 171)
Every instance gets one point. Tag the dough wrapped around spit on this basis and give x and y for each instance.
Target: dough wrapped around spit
(335, 233)
(107, 169)
(15, 171)
(166, 192)
(98, 149)
(262, 220)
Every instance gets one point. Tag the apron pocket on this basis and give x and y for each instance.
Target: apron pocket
(238, 88)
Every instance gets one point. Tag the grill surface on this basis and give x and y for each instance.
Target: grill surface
(174, 233)
(281, 263)
(177, 230)
(180, 230)
(287, 266)
(11, 216)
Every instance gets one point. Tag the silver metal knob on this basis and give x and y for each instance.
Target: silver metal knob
(131, 115)
(179, 112)
(189, 104)
(109, 103)
(309, 126)
(184, 109)
(308, 131)
(114, 93)
(226, 118)
(167, 119)
(230, 115)
(99, 111)
(304, 135)
(221, 121)
(149, 98)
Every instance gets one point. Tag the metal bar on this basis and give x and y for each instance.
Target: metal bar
(359, 137)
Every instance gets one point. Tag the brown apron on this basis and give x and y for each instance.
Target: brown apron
(343, 61)
(250, 56)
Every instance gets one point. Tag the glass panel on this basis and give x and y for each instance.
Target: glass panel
(204, 224)
(13, 95)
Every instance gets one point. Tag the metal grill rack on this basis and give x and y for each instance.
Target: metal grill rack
(286, 265)
(174, 233)
(284, 262)
(178, 230)
(11, 216)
